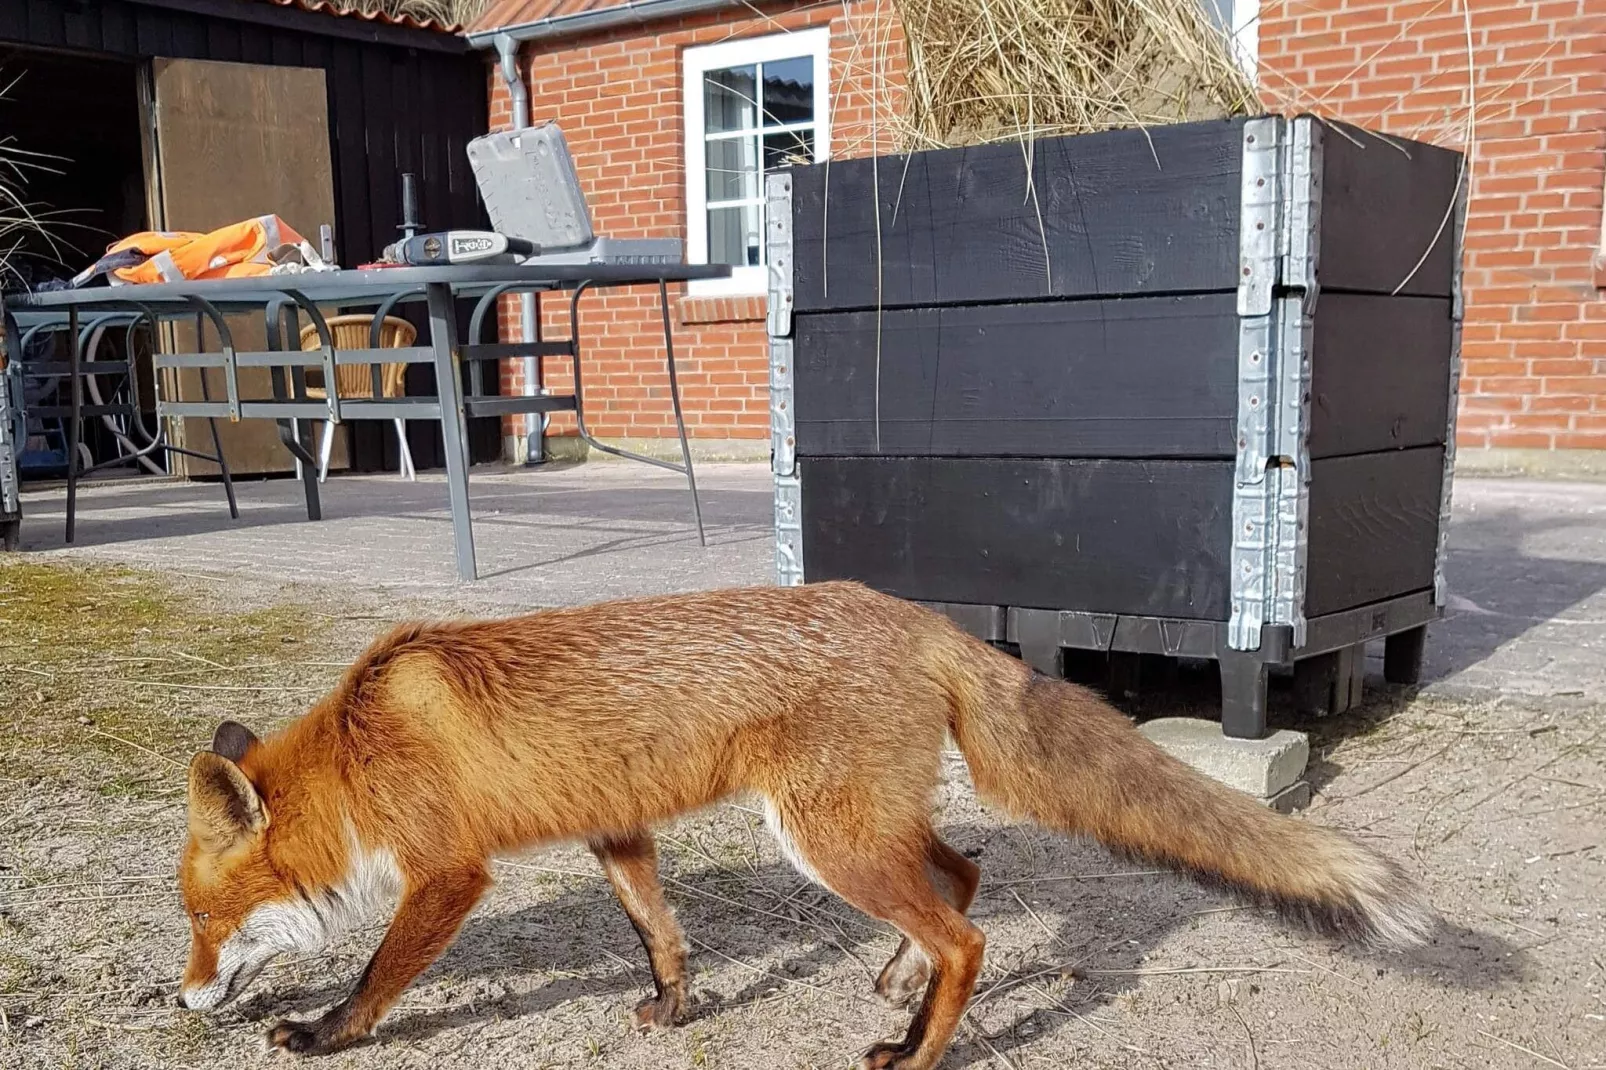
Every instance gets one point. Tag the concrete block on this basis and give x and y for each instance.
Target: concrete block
(1294, 797)
(1260, 767)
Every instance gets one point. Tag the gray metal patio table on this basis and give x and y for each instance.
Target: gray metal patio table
(282, 299)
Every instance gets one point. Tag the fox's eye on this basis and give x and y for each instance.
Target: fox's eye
(200, 919)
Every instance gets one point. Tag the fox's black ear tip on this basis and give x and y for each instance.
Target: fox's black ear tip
(232, 739)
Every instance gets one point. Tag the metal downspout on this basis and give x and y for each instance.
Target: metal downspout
(507, 52)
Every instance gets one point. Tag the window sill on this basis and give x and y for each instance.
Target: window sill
(734, 308)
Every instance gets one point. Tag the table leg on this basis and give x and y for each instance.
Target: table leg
(454, 436)
(295, 434)
(75, 427)
(680, 420)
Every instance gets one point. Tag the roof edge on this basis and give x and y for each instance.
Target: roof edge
(632, 13)
(319, 23)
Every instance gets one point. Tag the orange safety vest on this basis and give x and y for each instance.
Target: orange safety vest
(235, 251)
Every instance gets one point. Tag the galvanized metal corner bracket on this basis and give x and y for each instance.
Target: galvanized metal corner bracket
(1458, 223)
(788, 531)
(783, 417)
(778, 248)
(1279, 233)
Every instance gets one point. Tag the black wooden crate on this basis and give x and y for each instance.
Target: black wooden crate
(1187, 390)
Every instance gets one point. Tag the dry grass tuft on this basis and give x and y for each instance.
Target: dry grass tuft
(992, 70)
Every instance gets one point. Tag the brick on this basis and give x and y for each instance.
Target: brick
(1521, 440)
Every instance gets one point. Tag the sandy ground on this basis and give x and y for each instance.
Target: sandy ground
(1497, 806)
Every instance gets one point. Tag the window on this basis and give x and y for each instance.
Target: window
(752, 105)
(1240, 21)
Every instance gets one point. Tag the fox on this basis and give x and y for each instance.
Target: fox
(447, 744)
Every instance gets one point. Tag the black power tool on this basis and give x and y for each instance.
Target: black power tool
(458, 247)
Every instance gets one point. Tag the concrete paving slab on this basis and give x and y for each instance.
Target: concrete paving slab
(554, 536)
(1527, 565)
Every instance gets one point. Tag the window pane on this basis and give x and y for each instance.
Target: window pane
(735, 236)
(789, 91)
(787, 148)
(730, 99)
(732, 168)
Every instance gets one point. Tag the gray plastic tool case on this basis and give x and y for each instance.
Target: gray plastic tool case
(531, 190)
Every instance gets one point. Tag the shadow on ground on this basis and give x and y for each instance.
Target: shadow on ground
(582, 929)
(201, 509)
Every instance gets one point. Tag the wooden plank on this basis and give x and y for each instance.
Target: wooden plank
(354, 235)
(1140, 537)
(223, 41)
(116, 29)
(81, 27)
(1384, 213)
(383, 194)
(47, 22)
(1107, 214)
(14, 24)
(190, 40)
(1380, 373)
(1374, 522)
(235, 141)
(256, 47)
(153, 32)
(1133, 377)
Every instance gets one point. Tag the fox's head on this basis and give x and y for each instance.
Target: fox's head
(241, 911)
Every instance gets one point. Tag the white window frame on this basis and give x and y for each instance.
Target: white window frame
(1246, 36)
(696, 62)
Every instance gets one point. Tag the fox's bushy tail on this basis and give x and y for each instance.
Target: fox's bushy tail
(1057, 755)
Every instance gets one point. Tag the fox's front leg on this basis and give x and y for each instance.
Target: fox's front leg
(431, 912)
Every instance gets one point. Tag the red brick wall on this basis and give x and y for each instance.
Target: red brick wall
(618, 100)
(1534, 341)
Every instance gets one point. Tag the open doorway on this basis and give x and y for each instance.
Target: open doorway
(78, 118)
(81, 116)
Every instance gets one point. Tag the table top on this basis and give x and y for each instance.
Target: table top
(357, 286)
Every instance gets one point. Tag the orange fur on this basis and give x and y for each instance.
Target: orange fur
(447, 744)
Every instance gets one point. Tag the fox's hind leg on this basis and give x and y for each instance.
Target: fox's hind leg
(631, 863)
(877, 860)
(955, 877)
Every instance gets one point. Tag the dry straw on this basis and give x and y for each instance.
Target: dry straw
(990, 70)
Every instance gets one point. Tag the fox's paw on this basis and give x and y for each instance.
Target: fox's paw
(660, 1012)
(304, 1038)
(884, 1057)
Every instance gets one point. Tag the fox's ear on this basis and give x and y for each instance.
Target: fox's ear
(224, 807)
(232, 739)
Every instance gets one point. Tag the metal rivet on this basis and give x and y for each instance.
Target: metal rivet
(1260, 226)
(1254, 401)
(1254, 358)
(1250, 139)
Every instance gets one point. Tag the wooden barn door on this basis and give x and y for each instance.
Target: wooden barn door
(225, 142)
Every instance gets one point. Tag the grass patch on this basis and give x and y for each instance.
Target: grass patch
(112, 676)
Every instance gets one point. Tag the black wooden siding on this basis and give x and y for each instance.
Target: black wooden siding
(400, 100)
(1004, 399)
